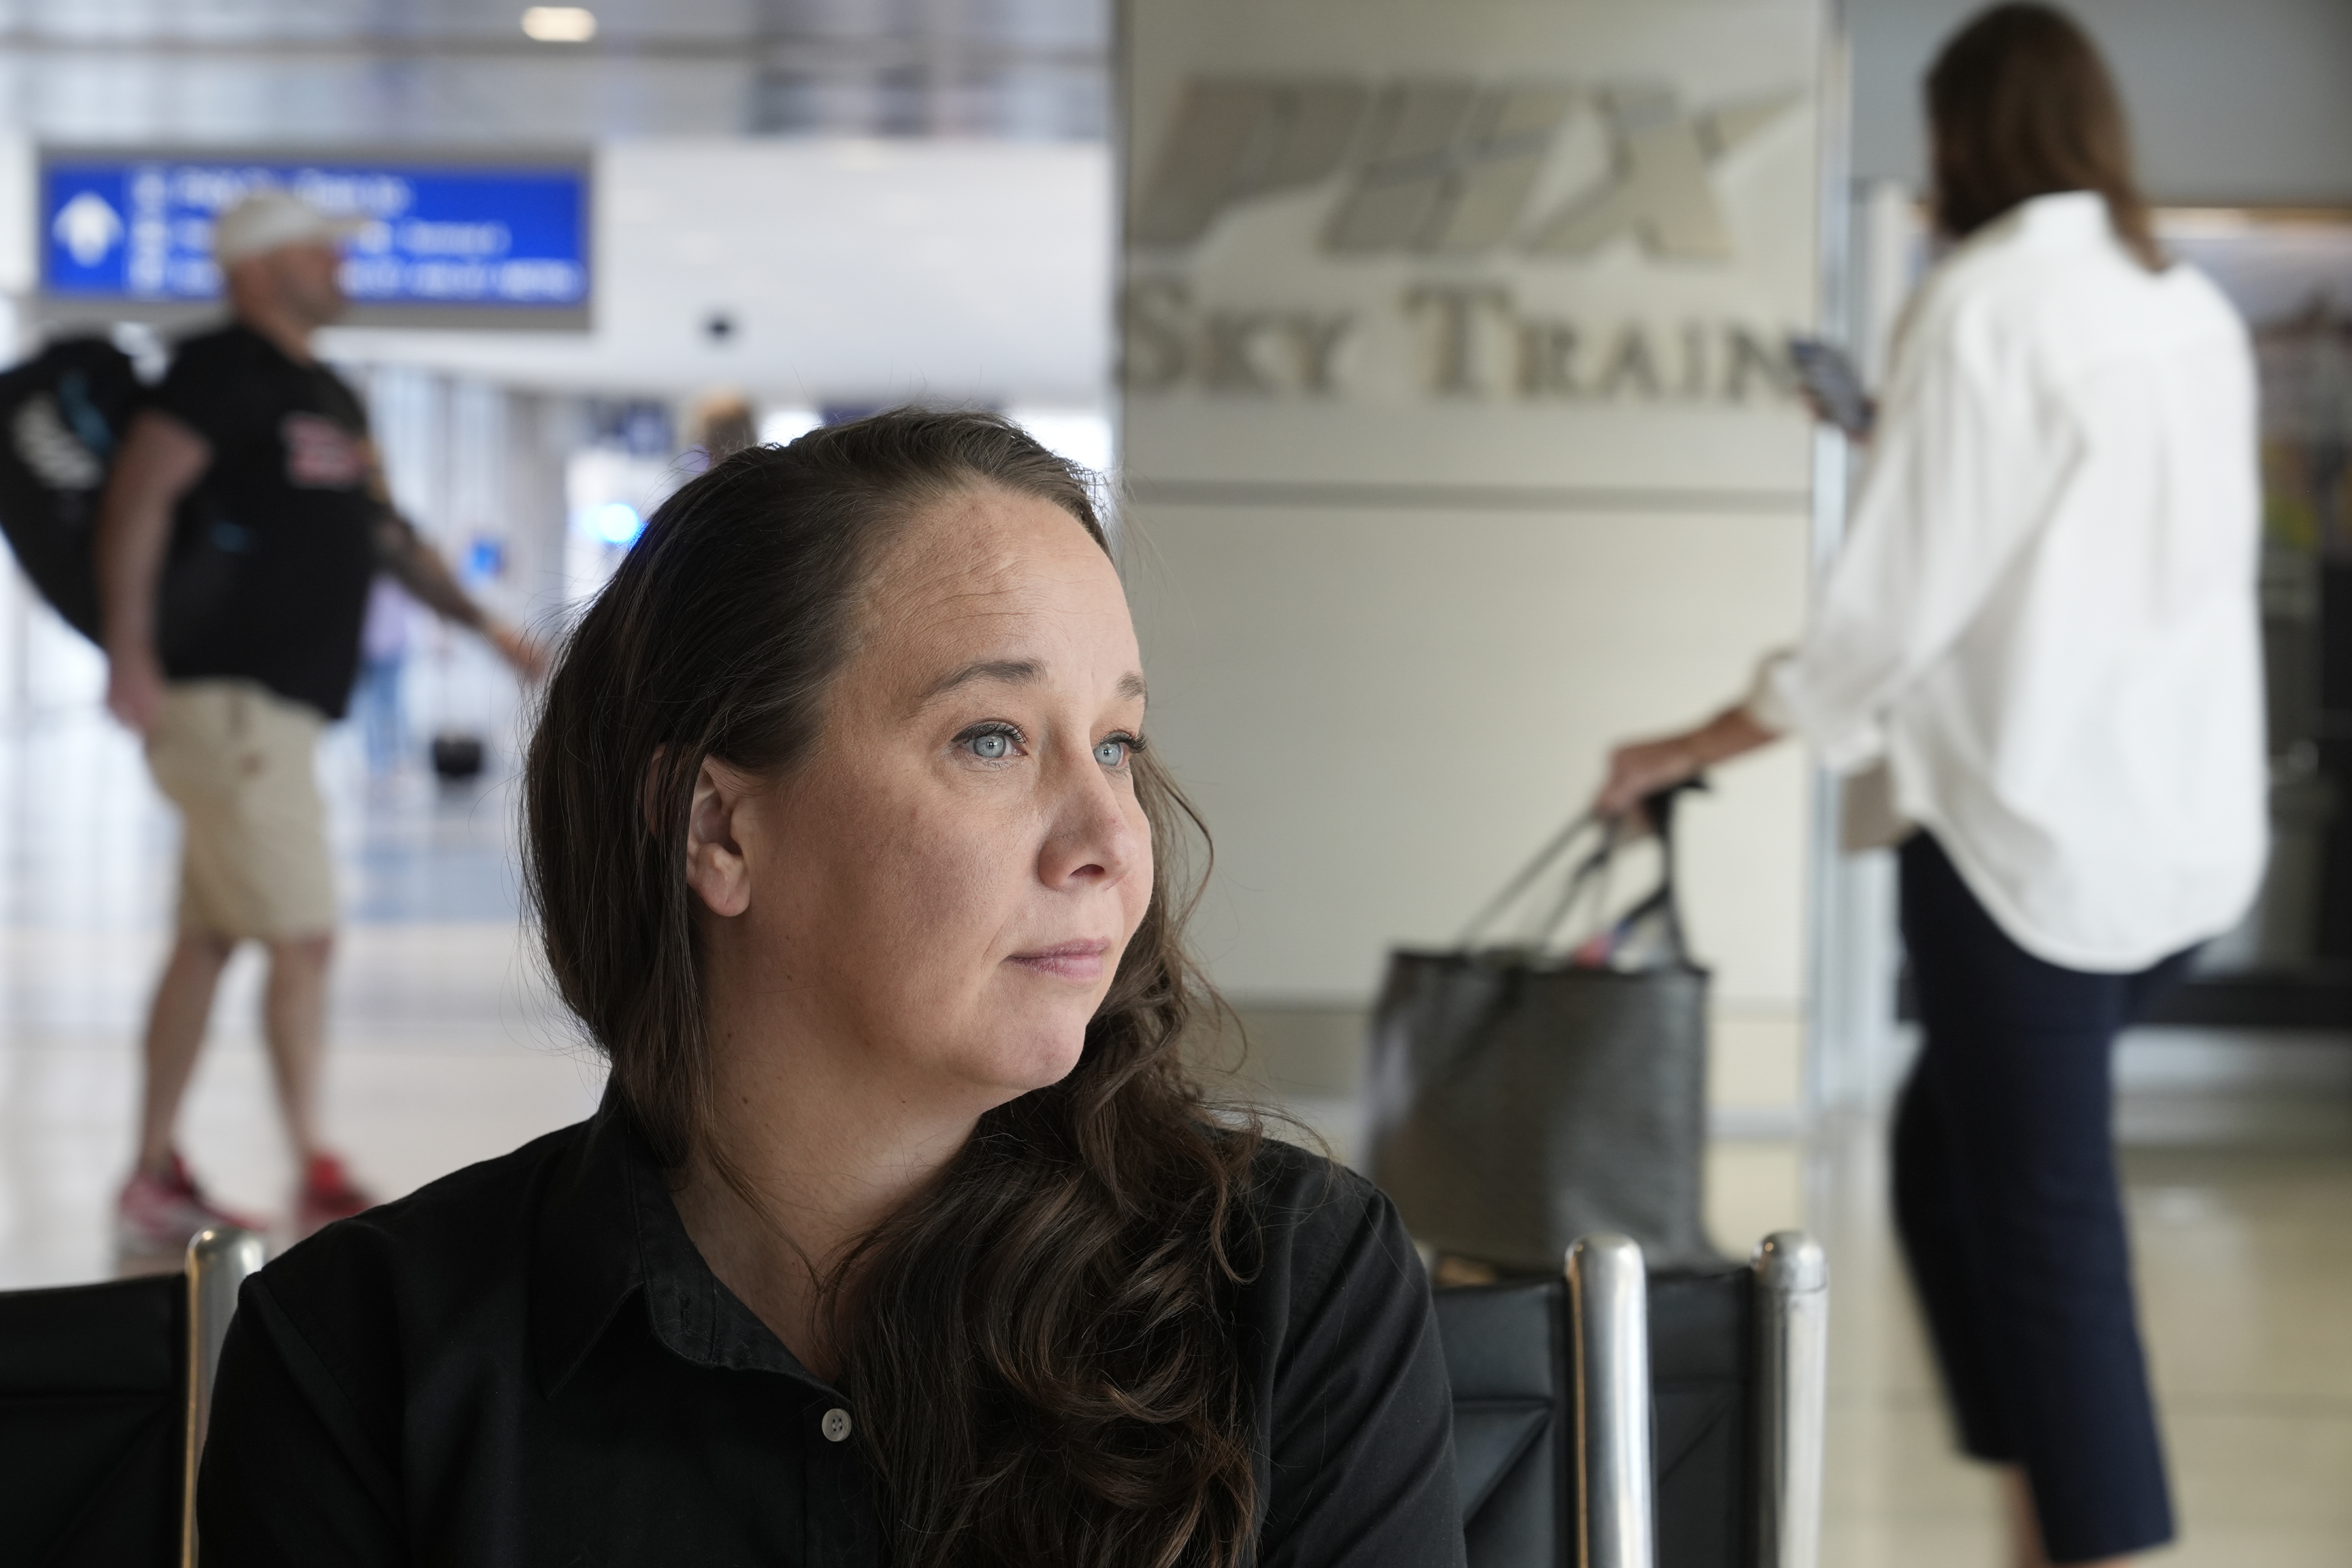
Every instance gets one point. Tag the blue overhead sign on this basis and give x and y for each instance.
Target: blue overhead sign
(441, 240)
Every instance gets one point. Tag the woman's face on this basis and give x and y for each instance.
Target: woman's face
(935, 898)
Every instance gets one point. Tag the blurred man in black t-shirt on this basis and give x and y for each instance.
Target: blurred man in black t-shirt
(250, 438)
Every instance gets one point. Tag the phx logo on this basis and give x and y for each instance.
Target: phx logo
(1444, 170)
(1444, 167)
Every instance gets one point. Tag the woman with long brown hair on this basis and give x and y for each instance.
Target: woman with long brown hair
(903, 1235)
(2042, 637)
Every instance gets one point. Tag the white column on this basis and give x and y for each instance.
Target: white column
(1460, 446)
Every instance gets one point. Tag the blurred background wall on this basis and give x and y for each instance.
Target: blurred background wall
(1460, 457)
(2233, 103)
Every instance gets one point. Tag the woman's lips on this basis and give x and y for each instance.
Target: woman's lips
(1066, 961)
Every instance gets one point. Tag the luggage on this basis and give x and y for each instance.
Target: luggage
(1524, 1094)
(61, 414)
(456, 756)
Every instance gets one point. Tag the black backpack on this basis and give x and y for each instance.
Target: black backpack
(62, 414)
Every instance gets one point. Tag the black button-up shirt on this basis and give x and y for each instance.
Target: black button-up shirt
(530, 1362)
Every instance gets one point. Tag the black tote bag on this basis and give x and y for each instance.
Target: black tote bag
(1522, 1096)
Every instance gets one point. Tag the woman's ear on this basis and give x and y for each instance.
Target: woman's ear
(716, 867)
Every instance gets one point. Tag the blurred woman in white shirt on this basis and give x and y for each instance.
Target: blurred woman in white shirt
(2043, 626)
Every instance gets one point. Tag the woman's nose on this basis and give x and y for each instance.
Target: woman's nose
(1091, 837)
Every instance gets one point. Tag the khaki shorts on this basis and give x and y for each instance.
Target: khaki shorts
(237, 760)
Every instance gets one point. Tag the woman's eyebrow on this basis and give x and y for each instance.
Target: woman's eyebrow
(1012, 672)
(1018, 672)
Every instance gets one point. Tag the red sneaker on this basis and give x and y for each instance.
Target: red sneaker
(327, 1194)
(155, 1215)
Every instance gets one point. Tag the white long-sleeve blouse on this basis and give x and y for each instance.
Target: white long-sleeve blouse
(2044, 619)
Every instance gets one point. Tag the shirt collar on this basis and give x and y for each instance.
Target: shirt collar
(2064, 218)
(269, 345)
(608, 1230)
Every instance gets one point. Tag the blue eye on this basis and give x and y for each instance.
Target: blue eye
(1114, 751)
(990, 745)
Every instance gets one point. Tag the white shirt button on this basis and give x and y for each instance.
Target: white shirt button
(835, 1425)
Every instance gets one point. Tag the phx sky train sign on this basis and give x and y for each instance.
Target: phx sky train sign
(1535, 240)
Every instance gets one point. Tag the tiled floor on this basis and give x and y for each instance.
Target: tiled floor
(2245, 1276)
(446, 1050)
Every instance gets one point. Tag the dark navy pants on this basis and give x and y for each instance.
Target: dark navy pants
(2006, 1197)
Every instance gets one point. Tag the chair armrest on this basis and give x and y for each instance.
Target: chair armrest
(218, 1261)
(1792, 1305)
(1610, 1349)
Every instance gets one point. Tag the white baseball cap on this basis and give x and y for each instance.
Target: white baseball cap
(267, 218)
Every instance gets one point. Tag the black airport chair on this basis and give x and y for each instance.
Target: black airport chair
(1610, 1420)
(104, 1390)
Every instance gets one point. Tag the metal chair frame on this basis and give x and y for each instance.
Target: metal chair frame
(1609, 1302)
(218, 1261)
(1793, 1344)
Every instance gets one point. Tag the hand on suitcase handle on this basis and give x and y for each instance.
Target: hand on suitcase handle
(1641, 770)
(1654, 811)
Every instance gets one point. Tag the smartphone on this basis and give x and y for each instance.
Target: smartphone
(1825, 372)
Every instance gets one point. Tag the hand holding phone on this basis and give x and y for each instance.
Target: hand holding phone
(1832, 385)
